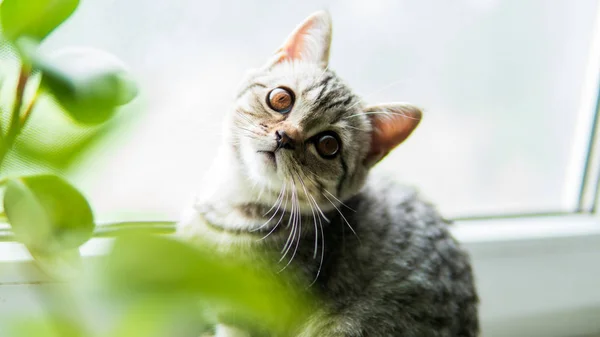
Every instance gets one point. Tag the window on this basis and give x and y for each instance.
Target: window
(501, 83)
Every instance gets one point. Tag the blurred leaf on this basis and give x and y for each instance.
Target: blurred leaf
(34, 18)
(47, 214)
(66, 146)
(147, 318)
(160, 267)
(53, 142)
(44, 328)
(27, 48)
(61, 265)
(89, 84)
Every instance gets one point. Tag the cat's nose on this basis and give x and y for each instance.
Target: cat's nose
(284, 140)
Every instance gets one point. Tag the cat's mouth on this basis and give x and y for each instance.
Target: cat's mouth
(269, 157)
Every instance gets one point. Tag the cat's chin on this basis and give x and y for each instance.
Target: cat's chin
(268, 158)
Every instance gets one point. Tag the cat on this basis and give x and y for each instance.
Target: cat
(292, 172)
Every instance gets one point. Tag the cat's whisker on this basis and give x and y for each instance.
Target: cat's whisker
(277, 203)
(298, 224)
(260, 192)
(280, 218)
(249, 131)
(278, 198)
(291, 223)
(382, 113)
(320, 228)
(355, 128)
(245, 121)
(320, 210)
(312, 210)
(322, 251)
(243, 116)
(322, 74)
(343, 217)
(382, 89)
(246, 133)
(311, 197)
(338, 200)
(250, 127)
(312, 201)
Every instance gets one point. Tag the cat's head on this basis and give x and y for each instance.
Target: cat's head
(298, 130)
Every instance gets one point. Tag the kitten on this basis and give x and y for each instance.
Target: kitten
(292, 174)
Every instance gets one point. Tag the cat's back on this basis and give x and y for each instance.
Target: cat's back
(408, 273)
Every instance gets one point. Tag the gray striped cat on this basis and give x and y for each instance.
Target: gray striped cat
(291, 178)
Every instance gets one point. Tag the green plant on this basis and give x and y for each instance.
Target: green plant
(46, 213)
(158, 285)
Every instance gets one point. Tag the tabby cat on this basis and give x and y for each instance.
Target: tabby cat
(292, 178)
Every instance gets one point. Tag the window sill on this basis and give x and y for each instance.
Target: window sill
(536, 276)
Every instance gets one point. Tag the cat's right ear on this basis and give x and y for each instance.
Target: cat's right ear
(309, 42)
(391, 124)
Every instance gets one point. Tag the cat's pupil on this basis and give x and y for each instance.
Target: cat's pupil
(281, 100)
(328, 146)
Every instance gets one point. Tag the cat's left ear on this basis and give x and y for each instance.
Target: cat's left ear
(309, 42)
(391, 124)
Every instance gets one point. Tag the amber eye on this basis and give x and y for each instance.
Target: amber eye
(327, 145)
(281, 100)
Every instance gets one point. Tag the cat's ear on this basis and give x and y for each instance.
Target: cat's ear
(391, 124)
(309, 42)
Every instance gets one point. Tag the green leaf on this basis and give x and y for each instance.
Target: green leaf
(62, 265)
(26, 48)
(34, 18)
(44, 328)
(89, 84)
(64, 144)
(147, 318)
(47, 214)
(160, 267)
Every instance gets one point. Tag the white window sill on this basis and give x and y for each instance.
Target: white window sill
(536, 276)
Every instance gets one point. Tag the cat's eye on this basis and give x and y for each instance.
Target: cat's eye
(327, 145)
(281, 100)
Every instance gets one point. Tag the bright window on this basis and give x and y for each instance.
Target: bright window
(501, 83)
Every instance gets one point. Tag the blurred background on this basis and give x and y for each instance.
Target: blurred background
(500, 82)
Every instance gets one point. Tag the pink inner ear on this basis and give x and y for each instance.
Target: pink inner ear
(309, 41)
(390, 129)
(393, 130)
(296, 43)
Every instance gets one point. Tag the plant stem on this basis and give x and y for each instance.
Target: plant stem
(116, 228)
(15, 122)
(25, 117)
(14, 119)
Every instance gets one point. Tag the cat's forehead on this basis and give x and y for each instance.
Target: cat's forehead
(298, 76)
